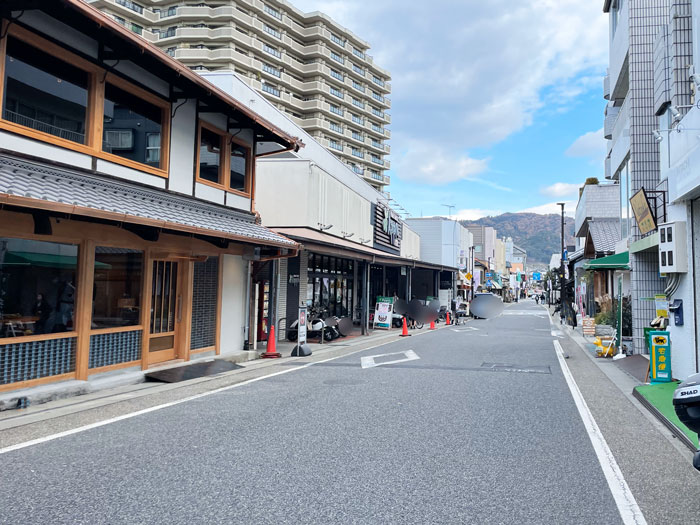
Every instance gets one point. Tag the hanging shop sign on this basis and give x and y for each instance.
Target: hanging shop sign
(642, 212)
(388, 229)
(660, 357)
(383, 312)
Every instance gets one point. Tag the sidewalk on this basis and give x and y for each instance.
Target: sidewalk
(656, 398)
(103, 389)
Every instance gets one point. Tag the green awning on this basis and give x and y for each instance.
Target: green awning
(619, 261)
(47, 260)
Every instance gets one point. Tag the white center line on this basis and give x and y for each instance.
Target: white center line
(624, 499)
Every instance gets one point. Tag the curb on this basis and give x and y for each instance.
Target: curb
(677, 432)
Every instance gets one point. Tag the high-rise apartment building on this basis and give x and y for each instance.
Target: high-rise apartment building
(310, 67)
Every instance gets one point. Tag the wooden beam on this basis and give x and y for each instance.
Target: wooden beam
(83, 310)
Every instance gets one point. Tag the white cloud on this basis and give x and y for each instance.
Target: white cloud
(590, 145)
(561, 189)
(552, 207)
(424, 163)
(487, 71)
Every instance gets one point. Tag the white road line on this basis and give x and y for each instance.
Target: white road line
(77, 430)
(368, 361)
(624, 499)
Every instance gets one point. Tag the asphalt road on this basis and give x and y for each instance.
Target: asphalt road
(480, 428)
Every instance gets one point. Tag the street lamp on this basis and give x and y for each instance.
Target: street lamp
(455, 254)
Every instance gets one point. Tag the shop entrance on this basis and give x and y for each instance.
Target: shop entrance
(166, 311)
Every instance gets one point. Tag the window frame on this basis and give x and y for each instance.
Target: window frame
(225, 164)
(94, 129)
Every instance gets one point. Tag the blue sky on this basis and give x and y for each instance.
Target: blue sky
(496, 106)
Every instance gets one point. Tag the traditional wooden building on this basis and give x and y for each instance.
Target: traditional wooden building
(127, 201)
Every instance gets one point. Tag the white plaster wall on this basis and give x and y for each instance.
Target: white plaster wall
(233, 303)
(206, 192)
(20, 144)
(410, 243)
(283, 193)
(683, 345)
(237, 201)
(117, 170)
(182, 147)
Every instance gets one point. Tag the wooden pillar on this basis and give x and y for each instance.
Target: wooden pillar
(83, 308)
(146, 292)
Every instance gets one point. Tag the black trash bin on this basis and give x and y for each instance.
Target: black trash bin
(686, 402)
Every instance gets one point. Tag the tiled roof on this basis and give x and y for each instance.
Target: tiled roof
(38, 185)
(605, 233)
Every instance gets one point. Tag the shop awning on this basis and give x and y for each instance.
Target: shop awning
(495, 285)
(324, 243)
(41, 187)
(47, 260)
(619, 261)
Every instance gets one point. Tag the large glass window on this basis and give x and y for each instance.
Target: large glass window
(626, 215)
(37, 287)
(44, 93)
(210, 155)
(131, 115)
(239, 167)
(117, 287)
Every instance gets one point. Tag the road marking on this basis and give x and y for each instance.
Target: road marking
(465, 329)
(98, 424)
(369, 361)
(624, 499)
(536, 313)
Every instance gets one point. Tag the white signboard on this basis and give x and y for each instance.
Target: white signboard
(383, 313)
(301, 338)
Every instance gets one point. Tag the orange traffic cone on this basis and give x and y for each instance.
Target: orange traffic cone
(447, 319)
(404, 331)
(271, 351)
(432, 325)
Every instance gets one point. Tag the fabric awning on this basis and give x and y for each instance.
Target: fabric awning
(619, 261)
(495, 285)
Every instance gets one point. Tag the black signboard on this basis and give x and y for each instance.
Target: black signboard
(388, 229)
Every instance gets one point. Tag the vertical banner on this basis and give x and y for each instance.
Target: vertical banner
(619, 312)
(301, 338)
(383, 312)
(660, 357)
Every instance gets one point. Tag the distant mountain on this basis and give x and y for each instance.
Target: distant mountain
(539, 235)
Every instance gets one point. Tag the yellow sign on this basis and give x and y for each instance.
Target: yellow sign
(642, 212)
(469, 276)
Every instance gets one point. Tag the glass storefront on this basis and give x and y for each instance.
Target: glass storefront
(37, 287)
(330, 285)
(117, 287)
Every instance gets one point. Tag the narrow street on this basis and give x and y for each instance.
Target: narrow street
(476, 425)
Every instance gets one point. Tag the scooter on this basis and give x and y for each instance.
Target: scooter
(314, 328)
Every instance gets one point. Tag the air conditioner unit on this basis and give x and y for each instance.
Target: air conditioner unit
(673, 248)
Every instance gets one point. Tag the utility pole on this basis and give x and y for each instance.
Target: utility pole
(450, 207)
(561, 265)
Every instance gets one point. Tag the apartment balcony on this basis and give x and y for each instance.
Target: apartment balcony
(619, 51)
(129, 10)
(606, 87)
(611, 113)
(378, 179)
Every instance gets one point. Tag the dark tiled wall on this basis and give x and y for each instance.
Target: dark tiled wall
(204, 302)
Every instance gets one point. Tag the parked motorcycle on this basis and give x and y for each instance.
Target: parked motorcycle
(315, 326)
